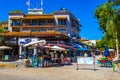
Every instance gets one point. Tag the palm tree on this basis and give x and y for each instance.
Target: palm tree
(109, 20)
(113, 27)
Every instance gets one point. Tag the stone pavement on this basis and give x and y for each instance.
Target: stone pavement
(66, 72)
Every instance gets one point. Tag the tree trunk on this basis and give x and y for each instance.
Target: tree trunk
(117, 46)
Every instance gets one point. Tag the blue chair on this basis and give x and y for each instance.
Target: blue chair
(99, 63)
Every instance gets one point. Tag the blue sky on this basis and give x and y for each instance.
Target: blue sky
(82, 9)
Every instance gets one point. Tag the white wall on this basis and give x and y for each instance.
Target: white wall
(9, 21)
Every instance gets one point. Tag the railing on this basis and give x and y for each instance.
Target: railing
(61, 26)
(46, 25)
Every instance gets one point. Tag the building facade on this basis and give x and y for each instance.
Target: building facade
(61, 21)
(59, 27)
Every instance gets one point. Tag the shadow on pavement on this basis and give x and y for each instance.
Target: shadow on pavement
(88, 69)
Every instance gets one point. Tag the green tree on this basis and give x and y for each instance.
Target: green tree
(101, 44)
(117, 2)
(108, 18)
(2, 30)
(16, 11)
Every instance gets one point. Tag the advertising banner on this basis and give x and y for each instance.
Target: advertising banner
(85, 60)
(23, 41)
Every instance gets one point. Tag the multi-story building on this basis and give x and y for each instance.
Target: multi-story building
(61, 21)
(58, 27)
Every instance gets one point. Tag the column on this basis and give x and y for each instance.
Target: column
(20, 51)
(35, 51)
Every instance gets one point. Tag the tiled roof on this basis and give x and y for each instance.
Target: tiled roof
(35, 34)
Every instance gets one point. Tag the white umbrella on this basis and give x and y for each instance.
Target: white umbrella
(5, 47)
(47, 46)
(41, 42)
(57, 48)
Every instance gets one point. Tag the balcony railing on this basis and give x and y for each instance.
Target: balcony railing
(31, 25)
(61, 26)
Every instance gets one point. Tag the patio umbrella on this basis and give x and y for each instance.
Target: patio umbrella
(2, 48)
(5, 47)
(106, 51)
(56, 48)
(77, 46)
(65, 46)
(41, 42)
(47, 47)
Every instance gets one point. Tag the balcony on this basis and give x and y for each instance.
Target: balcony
(74, 28)
(16, 29)
(15, 26)
(38, 26)
(61, 26)
(62, 30)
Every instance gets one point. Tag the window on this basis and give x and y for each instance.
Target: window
(42, 30)
(16, 30)
(15, 23)
(26, 30)
(62, 22)
(34, 22)
(34, 30)
(26, 21)
(42, 22)
(62, 30)
(50, 21)
(50, 29)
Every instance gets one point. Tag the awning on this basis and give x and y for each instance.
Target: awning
(61, 17)
(79, 47)
(65, 46)
(39, 17)
(5, 47)
(82, 49)
(17, 18)
(57, 48)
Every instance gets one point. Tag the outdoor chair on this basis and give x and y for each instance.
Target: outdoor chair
(27, 63)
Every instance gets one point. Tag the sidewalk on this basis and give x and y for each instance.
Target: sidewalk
(13, 64)
(67, 72)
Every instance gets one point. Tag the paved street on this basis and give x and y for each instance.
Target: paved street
(67, 72)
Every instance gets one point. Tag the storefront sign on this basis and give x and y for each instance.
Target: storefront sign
(23, 41)
(85, 60)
